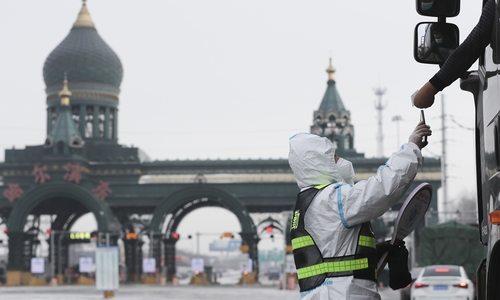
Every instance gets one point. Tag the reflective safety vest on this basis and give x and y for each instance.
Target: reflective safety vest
(312, 267)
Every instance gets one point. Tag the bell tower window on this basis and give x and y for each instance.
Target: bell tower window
(111, 129)
(89, 122)
(347, 142)
(75, 115)
(102, 119)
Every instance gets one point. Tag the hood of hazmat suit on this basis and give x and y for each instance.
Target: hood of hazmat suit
(312, 160)
(335, 216)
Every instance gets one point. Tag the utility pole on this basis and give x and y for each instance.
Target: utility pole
(379, 107)
(443, 160)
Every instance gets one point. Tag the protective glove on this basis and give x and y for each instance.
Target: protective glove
(399, 276)
(383, 248)
(418, 133)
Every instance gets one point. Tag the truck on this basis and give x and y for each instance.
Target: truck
(484, 86)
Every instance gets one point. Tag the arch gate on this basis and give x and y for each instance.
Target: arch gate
(176, 206)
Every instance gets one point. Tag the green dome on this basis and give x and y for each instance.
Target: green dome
(85, 57)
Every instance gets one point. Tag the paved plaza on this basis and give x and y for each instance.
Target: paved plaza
(149, 293)
(154, 292)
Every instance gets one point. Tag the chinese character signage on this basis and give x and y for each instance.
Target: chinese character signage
(13, 192)
(73, 173)
(102, 190)
(40, 173)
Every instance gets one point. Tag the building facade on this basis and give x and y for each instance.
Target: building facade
(79, 167)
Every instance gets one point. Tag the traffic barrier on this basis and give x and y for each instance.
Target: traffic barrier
(34, 281)
(149, 280)
(247, 278)
(13, 278)
(200, 279)
(84, 280)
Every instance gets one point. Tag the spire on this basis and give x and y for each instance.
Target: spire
(331, 99)
(83, 19)
(333, 121)
(65, 93)
(330, 70)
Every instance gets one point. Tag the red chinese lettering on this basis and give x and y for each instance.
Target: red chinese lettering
(102, 190)
(13, 192)
(40, 174)
(73, 173)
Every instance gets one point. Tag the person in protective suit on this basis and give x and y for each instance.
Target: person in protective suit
(332, 238)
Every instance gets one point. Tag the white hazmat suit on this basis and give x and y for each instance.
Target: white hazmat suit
(337, 212)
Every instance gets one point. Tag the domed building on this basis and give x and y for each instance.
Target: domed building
(81, 169)
(94, 73)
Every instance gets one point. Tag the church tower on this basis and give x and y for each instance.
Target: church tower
(333, 121)
(64, 138)
(94, 74)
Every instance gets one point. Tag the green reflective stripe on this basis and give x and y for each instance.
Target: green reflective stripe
(302, 241)
(333, 267)
(320, 186)
(366, 241)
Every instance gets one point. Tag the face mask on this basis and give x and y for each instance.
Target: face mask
(346, 170)
(426, 6)
(439, 41)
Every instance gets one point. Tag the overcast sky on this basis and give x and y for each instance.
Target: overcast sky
(234, 79)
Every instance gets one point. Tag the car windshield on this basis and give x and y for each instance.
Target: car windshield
(442, 271)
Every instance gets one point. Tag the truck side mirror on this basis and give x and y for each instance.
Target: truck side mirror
(434, 42)
(438, 8)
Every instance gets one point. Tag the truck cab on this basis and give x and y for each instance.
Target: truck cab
(484, 84)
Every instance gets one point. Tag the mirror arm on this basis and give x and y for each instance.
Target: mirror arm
(441, 20)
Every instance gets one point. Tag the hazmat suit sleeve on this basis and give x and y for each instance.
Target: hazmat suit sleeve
(367, 200)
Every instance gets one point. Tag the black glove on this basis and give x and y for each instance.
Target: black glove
(399, 276)
(383, 248)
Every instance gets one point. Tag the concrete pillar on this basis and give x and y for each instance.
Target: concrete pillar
(133, 259)
(16, 258)
(170, 258)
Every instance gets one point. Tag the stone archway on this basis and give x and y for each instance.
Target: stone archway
(179, 204)
(34, 199)
(23, 206)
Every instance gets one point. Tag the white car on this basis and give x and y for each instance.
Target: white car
(442, 282)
